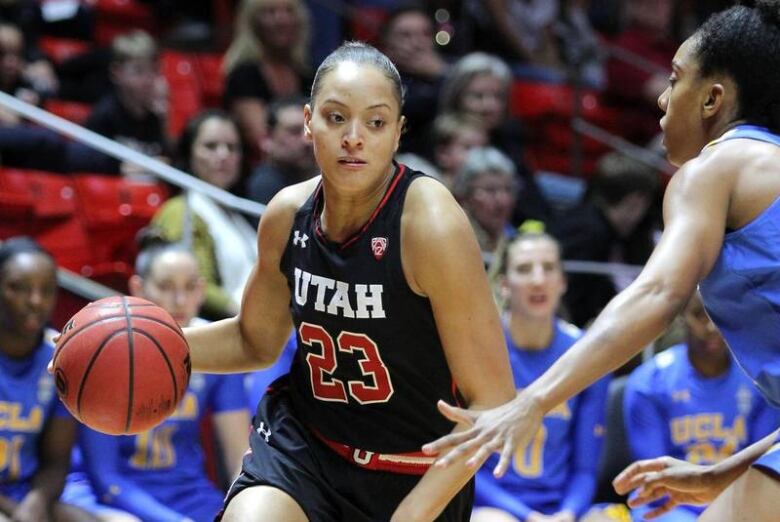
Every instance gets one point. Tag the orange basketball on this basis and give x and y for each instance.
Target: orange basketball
(122, 365)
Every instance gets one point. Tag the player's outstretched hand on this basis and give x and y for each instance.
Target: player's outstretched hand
(502, 429)
(680, 481)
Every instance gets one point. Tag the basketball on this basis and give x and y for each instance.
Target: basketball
(121, 365)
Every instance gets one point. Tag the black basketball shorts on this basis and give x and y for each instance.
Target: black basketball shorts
(329, 488)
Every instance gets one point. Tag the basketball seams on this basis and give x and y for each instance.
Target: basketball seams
(107, 343)
(91, 363)
(167, 363)
(130, 365)
(73, 333)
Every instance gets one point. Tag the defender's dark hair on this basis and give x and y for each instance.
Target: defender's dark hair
(362, 54)
(744, 42)
(14, 246)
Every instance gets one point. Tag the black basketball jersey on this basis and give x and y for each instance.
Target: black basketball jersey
(370, 365)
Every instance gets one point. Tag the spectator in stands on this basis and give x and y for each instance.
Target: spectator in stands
(160, 475)
(615, 222)
(12, 72)
(37, 432)
(287, 155)
(486, 188)
(406, 37)
(692, 402)
(268, 59)
(225, 244)
(479, 85)
(520, 30)
(128, 114)
(554, 477)
(635, 81)
(454, 135)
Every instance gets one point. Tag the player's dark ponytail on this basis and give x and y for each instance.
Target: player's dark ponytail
(769, 11)
(744, 42)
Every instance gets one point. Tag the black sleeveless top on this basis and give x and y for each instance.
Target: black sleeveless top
(370, 365)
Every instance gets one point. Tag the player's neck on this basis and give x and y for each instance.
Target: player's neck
(531, 333)
(344, 214)
(709, 367)
(16, 346)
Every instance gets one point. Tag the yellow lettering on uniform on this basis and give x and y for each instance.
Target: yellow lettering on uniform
(702, 426)
(33, 422)
(188, 408)
(739, 432)
(681, 430)
(12, 418)
(718, 430)
(562, 411)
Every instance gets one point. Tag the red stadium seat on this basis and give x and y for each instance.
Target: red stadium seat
(212, 83)
(44, 205)
(186, 100)
(76, 112)
(60, 49)
(112, 210)
(115, 17)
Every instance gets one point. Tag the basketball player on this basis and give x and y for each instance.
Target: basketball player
(376, 267)
(721, 126)
(160, 475)
(554, 477)
(692, 402)
(36, 431)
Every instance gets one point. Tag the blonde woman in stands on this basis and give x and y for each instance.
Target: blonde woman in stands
(268, 59)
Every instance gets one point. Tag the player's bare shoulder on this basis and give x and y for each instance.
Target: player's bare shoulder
(429, 206)
(276, 223)
(433, 227)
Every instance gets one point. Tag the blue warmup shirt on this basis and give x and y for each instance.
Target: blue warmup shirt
(557, 470)
(28, 399)
(160, 475)
(671, 409)
(742, 292)
(257, 382)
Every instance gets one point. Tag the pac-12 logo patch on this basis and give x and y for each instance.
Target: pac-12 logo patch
(378, 247)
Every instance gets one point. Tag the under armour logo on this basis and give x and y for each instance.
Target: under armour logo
(265, 432)
(298, 238)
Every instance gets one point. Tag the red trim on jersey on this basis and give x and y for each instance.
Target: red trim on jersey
(455, 394)
(374, 214)
(416, 463)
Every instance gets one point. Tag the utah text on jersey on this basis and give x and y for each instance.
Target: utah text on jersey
(354, 301)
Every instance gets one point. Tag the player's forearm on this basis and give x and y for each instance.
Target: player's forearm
(49, 481)
(219, 347)
(632, 320)
(432, 494)
(737, 464)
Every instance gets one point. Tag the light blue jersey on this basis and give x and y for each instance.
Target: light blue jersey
(671, 409)
(742, 292)
(28, 399)
(160, 475)
(557, 470)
